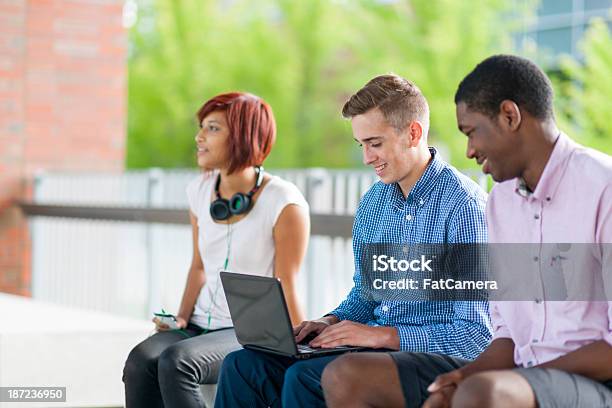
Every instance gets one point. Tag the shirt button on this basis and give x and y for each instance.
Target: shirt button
(385, 308)
(530, 364)
(409, 217)
(536, 259)
(421, 201)
(405, 249)
(537, 217)
(538, 301)
(535, 341)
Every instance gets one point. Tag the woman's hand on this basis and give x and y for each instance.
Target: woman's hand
(159, 326)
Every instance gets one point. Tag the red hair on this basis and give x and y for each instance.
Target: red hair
(252, 128)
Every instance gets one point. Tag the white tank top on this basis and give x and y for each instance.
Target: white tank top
(251, 242)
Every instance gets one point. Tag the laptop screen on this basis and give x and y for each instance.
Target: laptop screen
(259, 311)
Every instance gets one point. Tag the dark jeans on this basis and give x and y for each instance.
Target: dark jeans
(256, 379)
(166, 369)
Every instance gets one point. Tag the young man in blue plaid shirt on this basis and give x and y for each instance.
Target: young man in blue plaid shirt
(420, 199)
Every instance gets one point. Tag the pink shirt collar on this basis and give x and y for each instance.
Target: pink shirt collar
(553, 171)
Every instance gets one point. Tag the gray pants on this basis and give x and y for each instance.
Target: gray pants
(559, 389)
(166, 369)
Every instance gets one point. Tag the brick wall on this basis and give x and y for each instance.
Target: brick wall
(62, 105)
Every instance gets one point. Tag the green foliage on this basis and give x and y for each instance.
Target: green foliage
(584, 98)
(434, 44)
(305, 58)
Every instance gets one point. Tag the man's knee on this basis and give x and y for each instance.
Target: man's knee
(244, 363)
(302, 374)
(342, 370)
(296, 375)
(230, 362)
(476, 391)
(341, 377)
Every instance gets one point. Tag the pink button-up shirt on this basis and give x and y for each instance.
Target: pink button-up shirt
(572, 203)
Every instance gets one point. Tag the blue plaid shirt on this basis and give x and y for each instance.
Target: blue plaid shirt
(444, 206)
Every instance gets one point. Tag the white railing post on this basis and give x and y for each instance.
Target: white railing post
(35, 233)
(316, 252)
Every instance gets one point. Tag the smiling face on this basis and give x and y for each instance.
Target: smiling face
(490, 143)
(212, 141)
(388, 151)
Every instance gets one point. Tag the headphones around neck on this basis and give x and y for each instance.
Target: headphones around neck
(240, 203)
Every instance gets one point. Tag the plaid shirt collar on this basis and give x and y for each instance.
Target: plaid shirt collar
(424, 185)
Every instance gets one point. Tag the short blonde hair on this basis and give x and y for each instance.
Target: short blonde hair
(399, 100)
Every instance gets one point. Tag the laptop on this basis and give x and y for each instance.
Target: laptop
(261, 319)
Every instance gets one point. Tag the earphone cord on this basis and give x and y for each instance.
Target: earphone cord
(225, 265)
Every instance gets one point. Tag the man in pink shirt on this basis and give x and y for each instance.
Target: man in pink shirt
(551, 190)
(551, 193)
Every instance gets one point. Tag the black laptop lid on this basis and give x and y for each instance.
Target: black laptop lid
(259, 311)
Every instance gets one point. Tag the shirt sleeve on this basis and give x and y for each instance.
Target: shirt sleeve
(604, 237)
(193, 194)
(465, 337)
(500, 330)
(286, 193)
(608, 336)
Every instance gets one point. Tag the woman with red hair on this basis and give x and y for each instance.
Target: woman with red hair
(243, 220)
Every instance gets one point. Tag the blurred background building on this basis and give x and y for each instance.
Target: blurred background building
(62, 106)
(560, 25)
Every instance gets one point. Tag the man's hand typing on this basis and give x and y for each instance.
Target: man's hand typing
(347, 333)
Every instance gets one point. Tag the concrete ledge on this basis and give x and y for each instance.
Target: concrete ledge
(208, 392)
(42, 344)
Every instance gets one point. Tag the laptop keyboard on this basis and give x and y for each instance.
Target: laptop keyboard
(303, 348)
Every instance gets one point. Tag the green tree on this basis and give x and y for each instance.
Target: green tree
(434, 44)
(305, 58)
(185, 52)
(584, 100)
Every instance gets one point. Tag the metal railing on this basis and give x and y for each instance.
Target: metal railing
(121, 243)
(331, 225)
